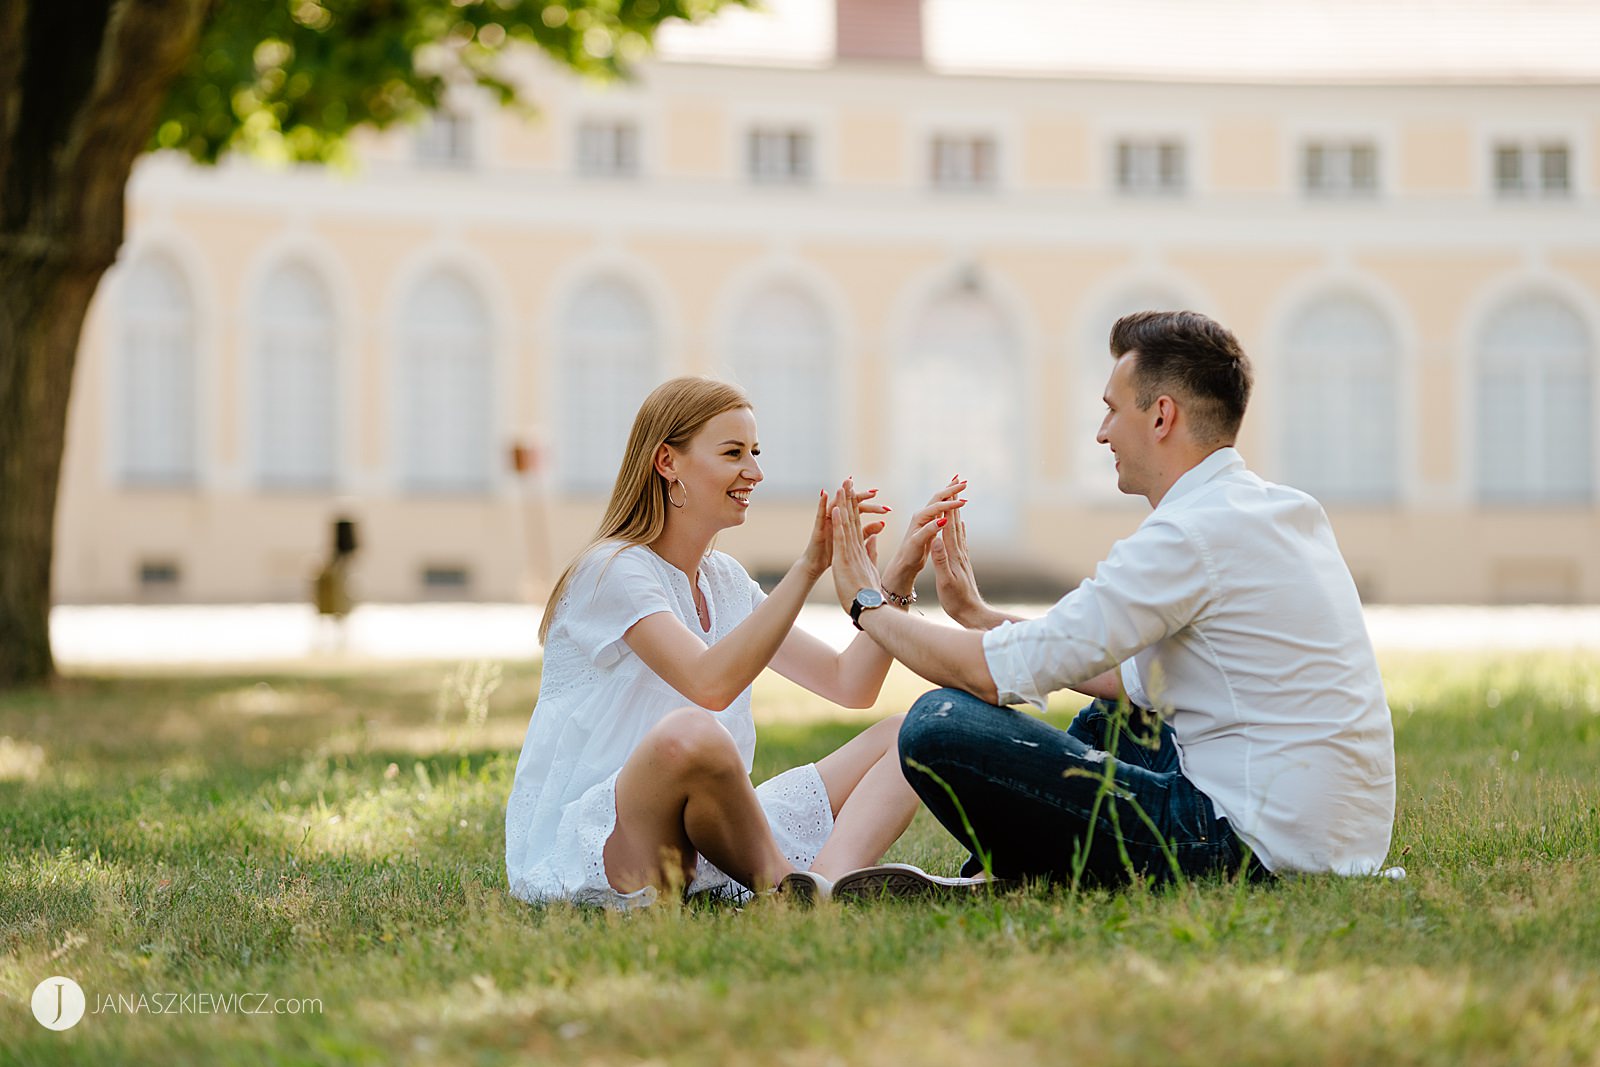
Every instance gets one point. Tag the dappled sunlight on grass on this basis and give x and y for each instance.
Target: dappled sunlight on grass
(340, 836)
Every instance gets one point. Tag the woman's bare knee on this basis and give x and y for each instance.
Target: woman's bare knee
(690, 742)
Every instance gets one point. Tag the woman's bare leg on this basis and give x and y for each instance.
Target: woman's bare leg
(872, 803)
(684, 790)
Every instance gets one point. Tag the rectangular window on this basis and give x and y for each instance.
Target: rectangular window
(1532, 169)
(963, 163)
(1151, 166)
(445, 140)
(445, 578)
(159, 574)
(1340, 168)
(780, 156)
(608, 149)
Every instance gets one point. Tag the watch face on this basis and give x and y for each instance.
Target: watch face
(869, 598)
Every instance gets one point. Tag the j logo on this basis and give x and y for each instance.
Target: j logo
(58, 1003)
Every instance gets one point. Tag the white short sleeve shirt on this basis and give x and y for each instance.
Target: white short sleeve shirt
(597, 699)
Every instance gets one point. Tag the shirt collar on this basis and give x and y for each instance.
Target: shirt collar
(1224, 460)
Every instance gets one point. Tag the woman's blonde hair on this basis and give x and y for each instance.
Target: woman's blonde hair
(671, 415)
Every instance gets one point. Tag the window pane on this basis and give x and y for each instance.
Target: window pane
(782, 353)
(1553, 168)
(1340, 425)
(1535, 386)
(608, 361)
(446, 412)
(1508, 168)
(159, 420)
(1364, 168)
(296, 382)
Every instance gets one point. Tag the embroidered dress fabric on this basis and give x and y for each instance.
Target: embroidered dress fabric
(597, 700)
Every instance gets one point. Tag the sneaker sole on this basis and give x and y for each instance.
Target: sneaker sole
(894, 883)
(802, 891)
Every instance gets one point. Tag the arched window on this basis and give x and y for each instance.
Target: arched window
(1340, 406)
(296, 382)
(1535, 429)
(158, 403)
(959, 409)
(608, 357)
(446, 412)
(1096, 467)
(782, 353)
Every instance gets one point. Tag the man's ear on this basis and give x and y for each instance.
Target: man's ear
(666, 463)
(1166, 416)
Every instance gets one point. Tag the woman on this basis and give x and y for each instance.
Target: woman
(635, 772)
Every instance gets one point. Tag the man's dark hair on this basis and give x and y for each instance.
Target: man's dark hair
(1192, 359)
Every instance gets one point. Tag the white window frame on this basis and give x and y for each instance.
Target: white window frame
(736, 361)
(606, 133)
(1338, 182)
(1476, 341)
(267, 322)
(447, 139)
(963, 162)
(1531, 176)
(1147, 149)
(593, 481)
(770, 156)
(479, 483)
(187, 474)
(1385, 496)
(1529, 138)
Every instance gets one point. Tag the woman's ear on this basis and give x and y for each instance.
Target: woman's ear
(666, 462)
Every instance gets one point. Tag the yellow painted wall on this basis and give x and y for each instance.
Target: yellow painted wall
(1436, 157)
(1246, 155)
(872, 148)
(695, 137)
(1055, 153)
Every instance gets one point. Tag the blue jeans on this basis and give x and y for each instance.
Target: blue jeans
(1030, 793)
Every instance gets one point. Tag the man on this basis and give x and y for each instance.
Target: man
(1228, 613)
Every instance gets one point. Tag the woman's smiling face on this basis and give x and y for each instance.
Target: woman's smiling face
(719, 470)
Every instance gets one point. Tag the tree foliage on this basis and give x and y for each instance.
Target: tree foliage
(288, 79)
(87, 85)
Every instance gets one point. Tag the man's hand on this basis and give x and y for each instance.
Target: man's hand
(954, 577)
(853, 568)
(900, 573)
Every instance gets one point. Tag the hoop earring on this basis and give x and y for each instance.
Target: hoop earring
(679, 483)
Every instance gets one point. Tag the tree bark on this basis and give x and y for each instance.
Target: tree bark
(81, 86)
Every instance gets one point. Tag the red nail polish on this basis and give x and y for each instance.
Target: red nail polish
(941, 522)
(887, 508)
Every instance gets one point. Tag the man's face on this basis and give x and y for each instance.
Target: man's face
(1129, 431)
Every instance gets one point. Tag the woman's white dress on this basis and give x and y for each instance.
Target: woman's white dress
(597, 699)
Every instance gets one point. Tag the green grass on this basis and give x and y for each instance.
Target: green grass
(338, 836)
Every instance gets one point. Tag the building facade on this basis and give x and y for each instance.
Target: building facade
(912, 270)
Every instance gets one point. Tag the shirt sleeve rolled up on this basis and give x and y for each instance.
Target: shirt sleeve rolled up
(1152, 584)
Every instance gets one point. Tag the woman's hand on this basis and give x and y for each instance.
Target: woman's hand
(819, 550)
(900, 575)
(818, 555)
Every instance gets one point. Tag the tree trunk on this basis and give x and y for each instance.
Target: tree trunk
(81, 85)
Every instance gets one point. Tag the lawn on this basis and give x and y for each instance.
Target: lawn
(332, 839)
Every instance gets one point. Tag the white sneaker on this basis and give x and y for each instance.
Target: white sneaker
(905, 882)
(805, 887)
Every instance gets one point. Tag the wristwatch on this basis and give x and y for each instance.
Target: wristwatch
(866, 600)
